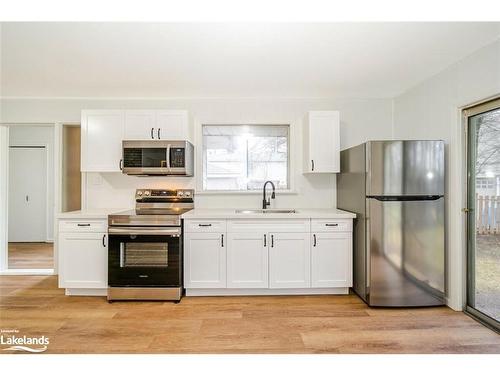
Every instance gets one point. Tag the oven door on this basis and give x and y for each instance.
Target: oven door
(148, 257)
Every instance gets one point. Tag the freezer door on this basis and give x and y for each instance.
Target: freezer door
(397, 168)
(405, 249)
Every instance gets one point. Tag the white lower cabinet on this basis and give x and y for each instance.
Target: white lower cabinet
(290, 260)
(204, 260)
(267, 256)
(331, 260)
(83, 260)
(247, 260)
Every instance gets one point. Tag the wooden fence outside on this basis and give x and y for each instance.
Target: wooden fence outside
(488, 214)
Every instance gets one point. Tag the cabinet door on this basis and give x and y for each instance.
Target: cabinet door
(290, 260)
(102, 135)
(172, 125)
(331, 260)
(324, 142)
(140, 125)
(247, 260)
(204, 260)
(83, 260)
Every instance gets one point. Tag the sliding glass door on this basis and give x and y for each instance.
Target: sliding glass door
(483, 247)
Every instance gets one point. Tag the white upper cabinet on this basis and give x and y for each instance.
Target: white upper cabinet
(172, 125)
(322, 142)
(140, 124)
(102, 135)
(156, 125)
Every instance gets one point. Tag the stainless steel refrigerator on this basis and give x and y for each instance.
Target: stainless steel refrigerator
(396, 188)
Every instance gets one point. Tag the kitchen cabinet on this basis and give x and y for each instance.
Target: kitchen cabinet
(204, 260)
(172, 125)
(83, 255)
(321, 135)
(266, 256)
(102, 132)
(156, 125)
(331, 259)
(247, 260)
(289, 260)
(140, 125)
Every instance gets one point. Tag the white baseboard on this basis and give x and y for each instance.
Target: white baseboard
(28, 272)
(264, 292)
(86, 292)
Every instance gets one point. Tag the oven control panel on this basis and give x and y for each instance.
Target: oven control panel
(163, 195)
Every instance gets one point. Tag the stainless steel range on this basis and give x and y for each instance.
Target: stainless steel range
(145, 246)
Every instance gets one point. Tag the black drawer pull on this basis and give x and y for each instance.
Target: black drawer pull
(314, 238)
(332, 225)
(83, 225)
(204, 225)
(104, 241)
(222, 240)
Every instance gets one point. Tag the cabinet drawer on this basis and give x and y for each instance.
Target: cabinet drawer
(204, 226)
(83, 226)
(334, 225)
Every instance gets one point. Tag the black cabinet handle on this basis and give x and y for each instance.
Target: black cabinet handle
(104, 241)
(83, 225)
(159, 133)
(265, 240)
(314, 240)
(332, 225)
(312, 165)
(222, 240)
(272, 240)
(152, 136)
(121, 164)
(204, 225)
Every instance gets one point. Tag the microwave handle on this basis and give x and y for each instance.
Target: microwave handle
(168, 156)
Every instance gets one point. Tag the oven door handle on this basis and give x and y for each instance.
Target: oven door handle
(137, 231)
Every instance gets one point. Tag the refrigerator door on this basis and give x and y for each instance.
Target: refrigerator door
(412, 168)
(405, 249)
(351, 183)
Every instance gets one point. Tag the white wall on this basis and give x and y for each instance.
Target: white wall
(39, 135)
(361, 119)
(431, 110)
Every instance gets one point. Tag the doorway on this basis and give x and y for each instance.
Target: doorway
(30, 221)
(483, 218)
(29, 244)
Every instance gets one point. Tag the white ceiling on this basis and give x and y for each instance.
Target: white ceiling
(218, 60)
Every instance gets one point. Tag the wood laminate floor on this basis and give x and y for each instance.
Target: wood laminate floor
(31, 255)
(286, 324)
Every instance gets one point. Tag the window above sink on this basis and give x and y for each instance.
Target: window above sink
(240, 158)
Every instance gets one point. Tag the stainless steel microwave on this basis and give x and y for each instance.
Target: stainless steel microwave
(157, 158)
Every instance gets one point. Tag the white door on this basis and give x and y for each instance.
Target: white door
(331, 260)
(84, 260)
(102, 135)
(140, 125)
(172, 125)
(290, 260)
(247, 260)
(205, 260)
(27, 194)
(324, 141)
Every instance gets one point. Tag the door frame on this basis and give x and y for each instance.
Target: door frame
(467, 113)
(4, 197)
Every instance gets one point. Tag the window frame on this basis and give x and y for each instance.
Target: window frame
(199, 156)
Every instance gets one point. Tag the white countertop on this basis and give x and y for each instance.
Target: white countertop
(301, 213)
(91, 213)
